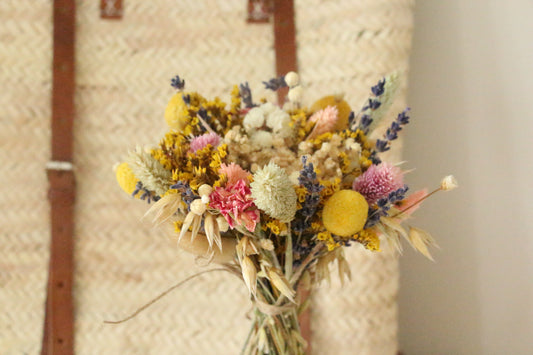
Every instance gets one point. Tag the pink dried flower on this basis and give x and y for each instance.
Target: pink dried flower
(234, 201)
(378, 181)
(411, 203)
(234, 173)
(202, 141)
(325, 119)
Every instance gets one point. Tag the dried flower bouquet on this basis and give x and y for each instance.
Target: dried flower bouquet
(275, 194)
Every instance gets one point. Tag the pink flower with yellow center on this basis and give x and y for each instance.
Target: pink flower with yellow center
(202, 141)
(234, 173)
(325, 121)
(378, 181)
(234, 201)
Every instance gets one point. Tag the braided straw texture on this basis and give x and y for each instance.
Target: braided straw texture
(25, 77)
(346, 46)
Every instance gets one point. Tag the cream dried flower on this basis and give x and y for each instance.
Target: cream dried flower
(295, 94)
(448, 183)
(292, 79)
(279, 121)
(273, 192)
(254, 119)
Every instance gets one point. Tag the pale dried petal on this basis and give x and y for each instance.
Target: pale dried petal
(186, 224)
(249, 274)
(209, 227)
(164, 208)
(343, 266)
(391, 223)
(391, 237)
(223, 225)
(266, 244)
(420, 239)
(280, 282)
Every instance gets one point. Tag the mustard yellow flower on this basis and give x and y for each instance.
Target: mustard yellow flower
(125, 178)
(345, 213)
(177, 113)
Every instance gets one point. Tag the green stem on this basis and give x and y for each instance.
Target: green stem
(288, 254)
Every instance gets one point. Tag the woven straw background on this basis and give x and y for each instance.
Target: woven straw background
(346, 46)
(25, 78)
(123, 80)
(123, 72)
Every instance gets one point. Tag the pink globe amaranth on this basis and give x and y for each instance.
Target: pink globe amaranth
(202, 141)
(378, 181)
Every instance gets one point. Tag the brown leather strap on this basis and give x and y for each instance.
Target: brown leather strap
(284, 41)
(59, 320)
(286, 61)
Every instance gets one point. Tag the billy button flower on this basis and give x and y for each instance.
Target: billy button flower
(345, 213)
(126, 179)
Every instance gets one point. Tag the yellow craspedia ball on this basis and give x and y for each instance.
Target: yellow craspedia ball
(341, 105)
(345, 213)
(176, 113)
(125, 178)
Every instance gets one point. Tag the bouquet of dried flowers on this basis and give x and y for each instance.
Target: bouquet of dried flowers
(275, 194)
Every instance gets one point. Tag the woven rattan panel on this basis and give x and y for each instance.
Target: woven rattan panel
(123, 84)
(25, 77)
(346, 46)
(123, 76)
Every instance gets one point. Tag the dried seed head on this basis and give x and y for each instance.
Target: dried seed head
(205, 190)
(249, 274)
(266, 244)
(198, 207)
(448, 183)
(292, 79)
(280, 282)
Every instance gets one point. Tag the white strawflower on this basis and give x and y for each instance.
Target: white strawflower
(295, 94)
(255, 118)
(273, 192)
(448, 183)
(279, 121)
(268, 108)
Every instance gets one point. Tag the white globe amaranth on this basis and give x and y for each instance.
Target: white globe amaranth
(254, 119)
(273, 193)
(279, 121)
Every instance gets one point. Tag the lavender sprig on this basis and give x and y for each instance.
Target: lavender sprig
(275, 83)
(246, 95)
(147, 195)
(186, 192)
(382, 207)
(309, 181)
(382, 145)
(377, 105)
(177, 83)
